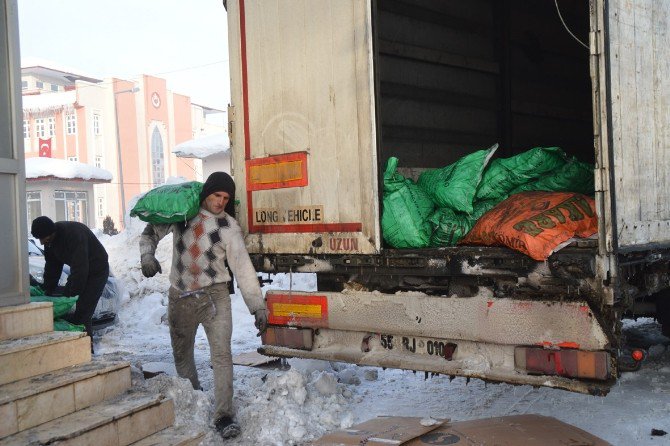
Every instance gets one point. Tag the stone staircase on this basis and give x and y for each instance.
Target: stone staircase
(52, 393)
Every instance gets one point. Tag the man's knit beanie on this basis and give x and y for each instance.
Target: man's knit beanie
(220, 182)
(42, 227)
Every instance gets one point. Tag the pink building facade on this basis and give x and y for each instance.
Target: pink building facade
(74, 117)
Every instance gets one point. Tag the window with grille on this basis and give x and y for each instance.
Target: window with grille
(96, 125)
(26, 129)
(40, 128)
(71, 206)
(34, 205)
(51, 127)
(157, 158)
(71, 123)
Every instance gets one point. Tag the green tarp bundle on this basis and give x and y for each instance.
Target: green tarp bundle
(573, 176)
(406, 208)
(449, 226)
(61, 306)
(507, 174)
(171, 203)
(454, 186)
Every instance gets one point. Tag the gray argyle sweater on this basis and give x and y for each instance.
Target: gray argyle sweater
(200, 250)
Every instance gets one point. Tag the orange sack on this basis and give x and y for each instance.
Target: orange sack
(535, 223)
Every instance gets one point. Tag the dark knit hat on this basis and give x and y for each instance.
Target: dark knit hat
(42, 227)
(220, 182)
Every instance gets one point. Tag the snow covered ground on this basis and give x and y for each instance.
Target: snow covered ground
(301, 403)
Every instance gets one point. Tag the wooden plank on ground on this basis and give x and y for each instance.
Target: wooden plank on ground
(253, 359)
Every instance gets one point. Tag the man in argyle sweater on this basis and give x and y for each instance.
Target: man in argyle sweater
(199, 288)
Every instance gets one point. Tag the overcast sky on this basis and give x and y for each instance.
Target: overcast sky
(183, 41)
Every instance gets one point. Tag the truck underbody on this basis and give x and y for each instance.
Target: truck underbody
(541, 299)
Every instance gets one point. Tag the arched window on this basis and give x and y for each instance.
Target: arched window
(157, 163)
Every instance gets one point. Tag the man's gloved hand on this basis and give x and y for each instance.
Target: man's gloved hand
(150, 266)
(261, 320)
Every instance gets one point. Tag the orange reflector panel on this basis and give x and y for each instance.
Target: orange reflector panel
(297, 310)
(276, 172)
(570, 363)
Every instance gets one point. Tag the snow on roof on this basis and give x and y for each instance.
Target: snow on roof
(62, 169)
(35, 62)
(203, 147)
(49, 102)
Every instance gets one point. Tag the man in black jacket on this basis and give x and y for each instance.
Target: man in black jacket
(73, 243)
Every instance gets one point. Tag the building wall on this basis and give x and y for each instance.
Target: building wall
(153, 108)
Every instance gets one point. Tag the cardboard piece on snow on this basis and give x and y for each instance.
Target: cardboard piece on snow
(527, 430)
(381, 431)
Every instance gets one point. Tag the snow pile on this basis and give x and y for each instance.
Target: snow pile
(38, 167)
(203, 147)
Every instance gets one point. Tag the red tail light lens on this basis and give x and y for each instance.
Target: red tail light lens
(565, 362)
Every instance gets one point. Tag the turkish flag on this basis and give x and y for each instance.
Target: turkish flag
(45, 148)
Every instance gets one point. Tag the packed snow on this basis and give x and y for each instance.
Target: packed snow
(38, 167)
(203, 147)
(299, 401)
(49, 102)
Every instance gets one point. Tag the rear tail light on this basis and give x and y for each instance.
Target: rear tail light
(565, 362)
(299, 338)
(297, 310)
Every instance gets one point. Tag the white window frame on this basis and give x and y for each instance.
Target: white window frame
(73, 158)
(40, 128)
(32, 197)
(71, 123)
(98, 161)
(54, 87)
(71, 205)
(26, 129)
(24, 85)
(97, 129)
(39, 84)
(100, 207)
(51, 127)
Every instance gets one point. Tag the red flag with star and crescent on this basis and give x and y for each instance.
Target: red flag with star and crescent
(45, 148)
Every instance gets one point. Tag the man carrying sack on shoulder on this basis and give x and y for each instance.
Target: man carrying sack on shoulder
(199, 288)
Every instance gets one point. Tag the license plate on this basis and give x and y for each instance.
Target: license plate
(424, 346)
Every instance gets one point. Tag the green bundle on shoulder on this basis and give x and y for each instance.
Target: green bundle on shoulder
(171, 203)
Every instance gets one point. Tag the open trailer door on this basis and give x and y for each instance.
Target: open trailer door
(634, 130)
(302, 125)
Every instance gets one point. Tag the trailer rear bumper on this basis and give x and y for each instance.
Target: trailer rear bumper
(540, 343)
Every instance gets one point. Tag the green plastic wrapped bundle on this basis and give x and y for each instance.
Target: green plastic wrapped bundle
(171, 203)
(406, 210)
(61, 305)
(507, 174)
(449, 226)
(454, 186)
(574, 176)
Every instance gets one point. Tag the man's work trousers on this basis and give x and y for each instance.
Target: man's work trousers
(87, 301)
(211, 308)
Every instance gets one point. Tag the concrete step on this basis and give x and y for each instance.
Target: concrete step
(120, 421)
(42, 353)
(172, 437)
(18, 321)
(32, 401)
